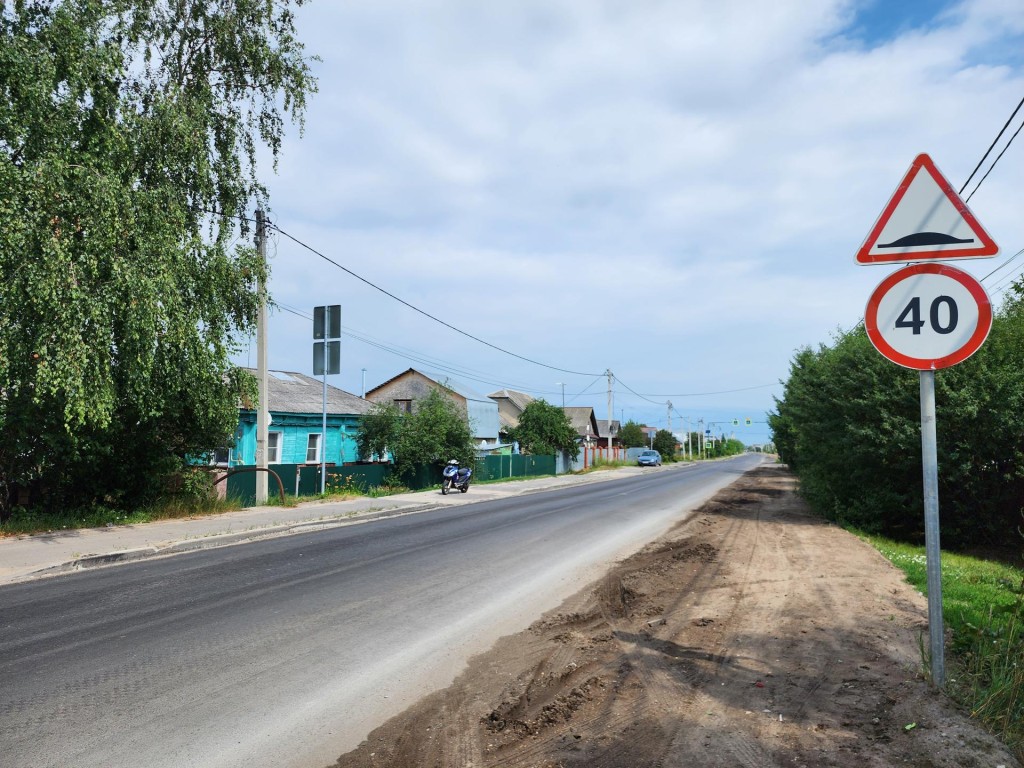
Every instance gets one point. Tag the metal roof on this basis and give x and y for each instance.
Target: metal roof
(290, 392)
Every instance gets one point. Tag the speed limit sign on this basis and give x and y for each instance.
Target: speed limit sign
(928, 316)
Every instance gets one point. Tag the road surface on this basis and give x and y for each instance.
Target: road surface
(288, 652)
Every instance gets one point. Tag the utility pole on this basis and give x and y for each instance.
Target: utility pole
(562, 385)
(668, 412)
(362, 392)
(611, 410)
(700, 436)
(263, 408)
(689, 440)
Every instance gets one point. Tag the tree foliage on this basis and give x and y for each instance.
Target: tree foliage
(545, 429)
(129, 133)
(848, 423)
(436, 432)
(665, 443)
(632, 436)
(378, 431)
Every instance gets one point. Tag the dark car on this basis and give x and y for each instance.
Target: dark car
(649, 459)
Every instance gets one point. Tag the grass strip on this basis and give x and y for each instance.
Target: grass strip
(983, 610)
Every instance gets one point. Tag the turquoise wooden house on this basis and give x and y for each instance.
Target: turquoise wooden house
(296, 424)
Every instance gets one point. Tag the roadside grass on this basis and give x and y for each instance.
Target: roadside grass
(339, 490)
(28, 521)
(601, 464)
(983, 609)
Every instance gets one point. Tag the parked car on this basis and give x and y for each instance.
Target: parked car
(649, 459)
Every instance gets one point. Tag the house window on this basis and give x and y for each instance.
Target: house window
(221, 457)
(273, 448)
(313, 448)
(404, 406)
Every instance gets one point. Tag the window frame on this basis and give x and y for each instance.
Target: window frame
(274, 450)
(314, 441)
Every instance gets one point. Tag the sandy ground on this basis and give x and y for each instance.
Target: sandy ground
(752, 635)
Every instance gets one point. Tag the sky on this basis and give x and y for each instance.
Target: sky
(671, 190)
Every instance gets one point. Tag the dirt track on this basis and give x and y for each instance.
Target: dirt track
(752, 635)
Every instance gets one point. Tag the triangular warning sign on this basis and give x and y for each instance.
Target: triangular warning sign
(925, 220)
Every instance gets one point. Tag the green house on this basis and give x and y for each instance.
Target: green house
(296, 424)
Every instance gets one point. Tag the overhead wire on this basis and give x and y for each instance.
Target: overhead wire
(991, 147)
(429, 364)
(271, 225)
(994, 162)
(426, 314)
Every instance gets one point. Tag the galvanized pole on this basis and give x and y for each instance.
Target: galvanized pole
(323, 433)
(930, 467)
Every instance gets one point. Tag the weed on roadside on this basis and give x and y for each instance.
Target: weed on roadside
(983, 608)
(24, 521)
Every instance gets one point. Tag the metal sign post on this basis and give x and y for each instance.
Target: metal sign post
(926, 317)
(933, 552)
(326, 360)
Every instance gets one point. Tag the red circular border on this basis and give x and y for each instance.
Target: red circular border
(924, 364)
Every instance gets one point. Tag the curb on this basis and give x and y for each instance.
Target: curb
(215, 541)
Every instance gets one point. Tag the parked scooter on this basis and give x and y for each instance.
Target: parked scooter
(455, 477)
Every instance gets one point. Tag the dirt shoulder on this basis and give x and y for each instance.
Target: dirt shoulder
(752, 635)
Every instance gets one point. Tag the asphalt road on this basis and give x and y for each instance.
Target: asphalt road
(286, 652)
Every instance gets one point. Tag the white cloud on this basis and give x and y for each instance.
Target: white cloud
(675, 189)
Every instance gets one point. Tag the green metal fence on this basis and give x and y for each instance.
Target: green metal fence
(513, 465)
(304, 479)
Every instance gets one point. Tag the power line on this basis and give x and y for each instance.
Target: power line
(699, 394)
(1002, 266)
(427, 361)
(642, 397)
(459, 372)
(990, 148)
(998, 157)
(468, 335)
(424, 359)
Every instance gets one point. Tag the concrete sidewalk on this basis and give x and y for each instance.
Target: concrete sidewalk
(46, 554)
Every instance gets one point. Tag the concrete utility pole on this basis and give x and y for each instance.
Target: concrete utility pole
(611, 410)
(263, 408)
(668, 409)
(562, 385)
(362, 392)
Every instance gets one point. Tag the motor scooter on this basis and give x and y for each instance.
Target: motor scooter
(455, 477)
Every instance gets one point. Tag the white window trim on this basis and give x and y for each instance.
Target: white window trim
(314, 436)
(274, 451)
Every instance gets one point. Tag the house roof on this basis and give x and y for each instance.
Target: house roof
(454, 386)
(290, 392)
(519, 399)
(581, 417)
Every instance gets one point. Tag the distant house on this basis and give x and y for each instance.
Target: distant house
(510, 405)
(296, 424)
(649, 433)
(584, 422)
(407, 388)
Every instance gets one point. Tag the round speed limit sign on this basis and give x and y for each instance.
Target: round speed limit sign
(928, 316)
